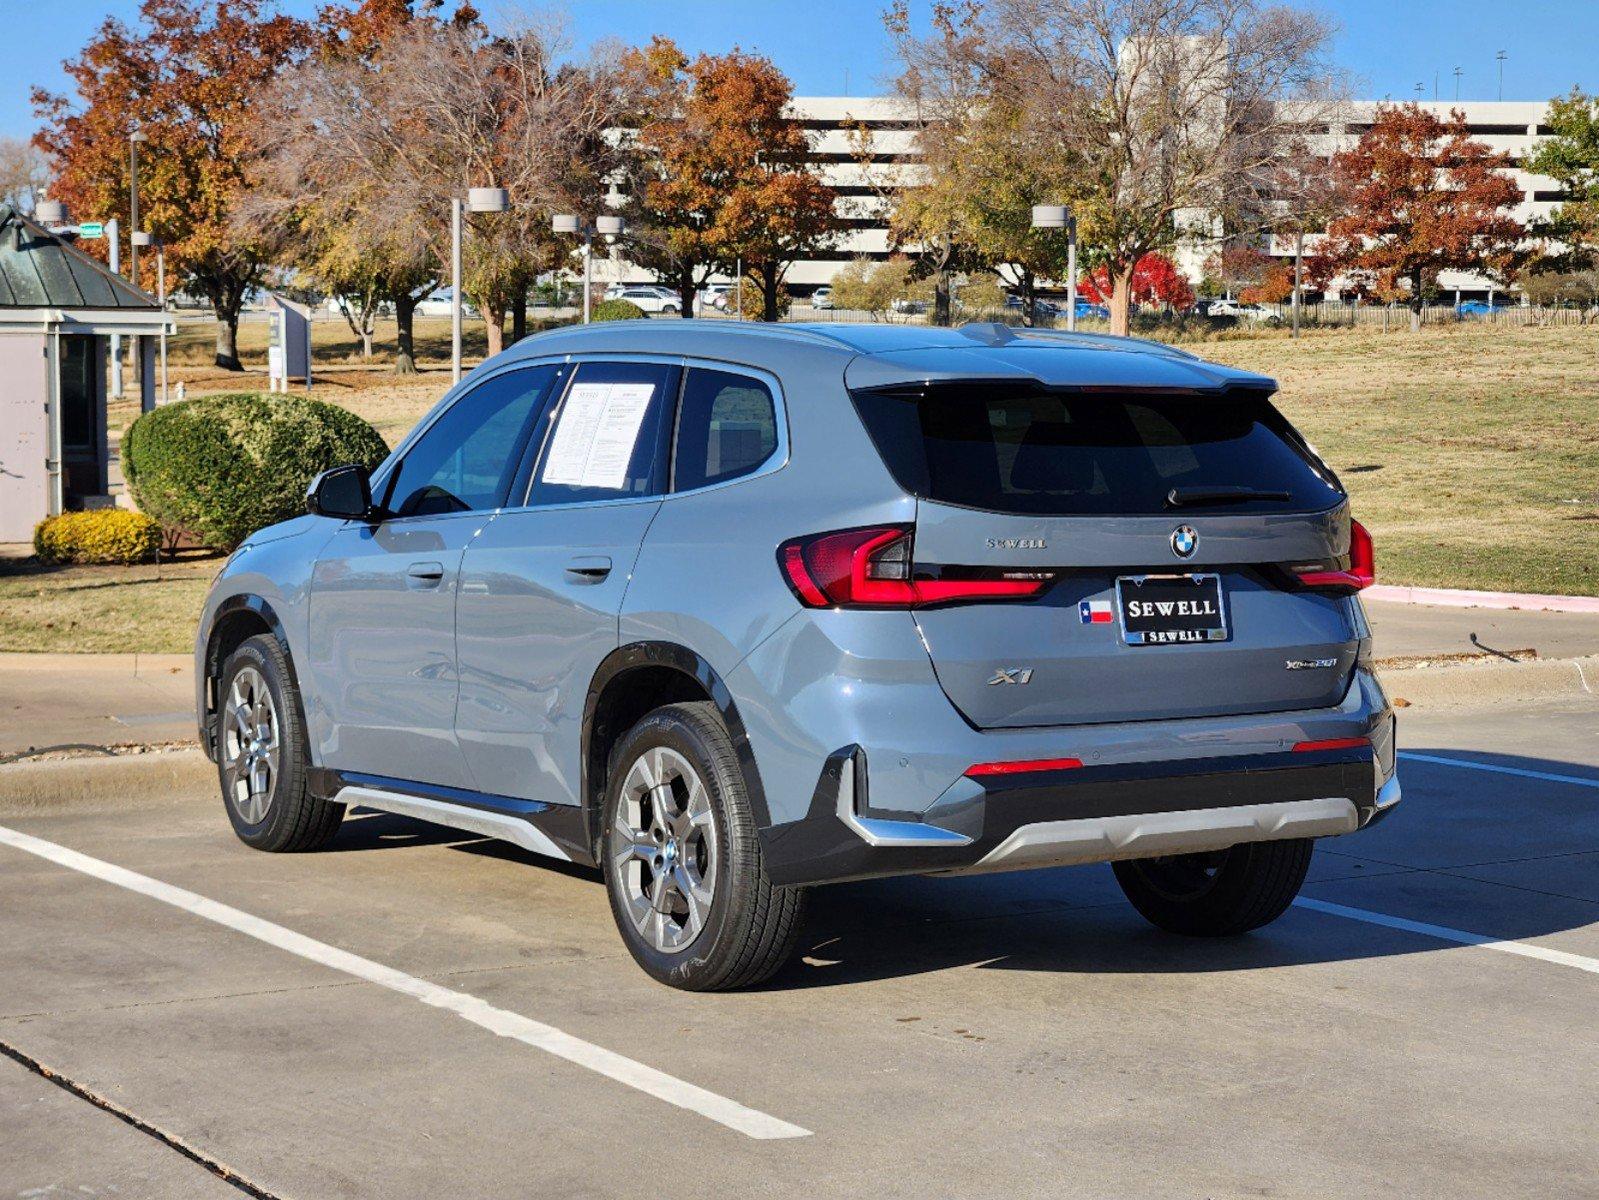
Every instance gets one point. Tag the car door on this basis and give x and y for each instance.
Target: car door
(542, 586)
(383, 684)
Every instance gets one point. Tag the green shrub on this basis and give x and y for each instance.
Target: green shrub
(100, 535)
(221, 467)
(616, 310)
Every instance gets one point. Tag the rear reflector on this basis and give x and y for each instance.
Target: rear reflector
(1362, 570)
(871, 568)
(1021, 768)
(1352, 743)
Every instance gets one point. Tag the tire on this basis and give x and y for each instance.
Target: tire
(262, 754)
(686, 882)
(1219, 894)
(670, 310)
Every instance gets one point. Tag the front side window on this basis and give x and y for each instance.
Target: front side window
(465, 460)
(608, 437)
(726, 428)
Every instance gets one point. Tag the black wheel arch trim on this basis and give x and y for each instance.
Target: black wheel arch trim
(687, 662)
(262, 608)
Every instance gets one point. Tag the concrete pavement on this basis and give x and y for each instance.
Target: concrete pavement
(1011, 1035)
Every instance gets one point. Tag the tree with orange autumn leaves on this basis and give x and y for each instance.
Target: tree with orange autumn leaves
(187, 77)
(720, 171)
(1421, 196)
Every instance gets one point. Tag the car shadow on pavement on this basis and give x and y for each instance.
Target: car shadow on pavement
(1499, 855)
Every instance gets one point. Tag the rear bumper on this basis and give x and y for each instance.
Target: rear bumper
(1081, 815)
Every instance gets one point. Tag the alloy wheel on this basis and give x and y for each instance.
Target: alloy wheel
(250, 746)
(664, 850)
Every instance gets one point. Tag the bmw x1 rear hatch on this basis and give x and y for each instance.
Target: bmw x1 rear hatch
(1155, 551)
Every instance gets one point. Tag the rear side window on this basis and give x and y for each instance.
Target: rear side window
(726, 428)
(609, 436)
(1020, 450)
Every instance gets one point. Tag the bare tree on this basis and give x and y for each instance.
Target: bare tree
(1163, 111)
(24, 173)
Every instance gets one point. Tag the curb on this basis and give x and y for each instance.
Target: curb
(1461, 598)
(102, 784)
(1468, 684)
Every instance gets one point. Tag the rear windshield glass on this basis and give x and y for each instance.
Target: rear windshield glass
(1018, 450)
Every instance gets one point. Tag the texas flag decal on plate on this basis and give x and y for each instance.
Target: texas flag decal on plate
(1094, 612)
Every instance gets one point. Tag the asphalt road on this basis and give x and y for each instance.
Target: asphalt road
(1015, 1035)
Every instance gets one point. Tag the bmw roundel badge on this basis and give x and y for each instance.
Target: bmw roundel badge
(1184, 541)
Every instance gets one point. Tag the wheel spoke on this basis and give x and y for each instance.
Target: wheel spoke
(697, 897)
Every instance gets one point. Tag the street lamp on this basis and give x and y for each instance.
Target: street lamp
(52, 214)
(1458, 72)
(143, 237)
(1058, 216)
(478, 200)
(608, 227)
(1500, 57)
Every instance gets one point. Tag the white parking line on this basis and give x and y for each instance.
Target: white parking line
(748, 1121)
(1581, 781)
(1444, 933)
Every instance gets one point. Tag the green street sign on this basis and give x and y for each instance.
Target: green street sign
(91, 229)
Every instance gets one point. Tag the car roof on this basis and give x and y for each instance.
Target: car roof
(884, 355)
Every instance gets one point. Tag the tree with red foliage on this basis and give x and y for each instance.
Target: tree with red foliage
(189, 77)
(1422, 197)
(1155, 279)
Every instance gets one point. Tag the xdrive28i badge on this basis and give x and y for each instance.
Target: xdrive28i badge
(1184, 541)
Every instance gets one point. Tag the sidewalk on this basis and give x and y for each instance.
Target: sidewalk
(94, 700)
(89, 700)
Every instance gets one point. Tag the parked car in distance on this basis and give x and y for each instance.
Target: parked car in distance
(715, 295)
(822, 297)
(1477, 308)
(903, 305)
(651, 299)
(1243, 312)
(437, 304)
(728, 611)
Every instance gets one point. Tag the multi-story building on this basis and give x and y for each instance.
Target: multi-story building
(842, 127)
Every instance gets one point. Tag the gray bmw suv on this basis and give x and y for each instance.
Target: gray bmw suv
(728, 610)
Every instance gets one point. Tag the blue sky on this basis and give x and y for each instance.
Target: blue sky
(832, 46)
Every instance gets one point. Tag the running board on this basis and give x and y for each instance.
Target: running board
(1151, 835)
(504, 827)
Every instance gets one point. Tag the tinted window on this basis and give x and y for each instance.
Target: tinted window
(607, 440)
(466, 458)
(1018, 450)
(726, 427)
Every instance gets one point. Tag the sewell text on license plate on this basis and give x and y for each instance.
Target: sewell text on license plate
(1163, 610)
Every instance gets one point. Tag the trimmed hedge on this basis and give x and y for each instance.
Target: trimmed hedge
(221, 467)
(616, 310)
(100, 535)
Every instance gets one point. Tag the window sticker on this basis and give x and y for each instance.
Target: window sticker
(597, 434)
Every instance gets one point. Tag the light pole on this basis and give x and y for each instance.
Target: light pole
(608, 227)
(478, 200)
(1058, 216)
(1500, 57)
(134, 139)
(113, 233)
(1457, 84)
(142, 237)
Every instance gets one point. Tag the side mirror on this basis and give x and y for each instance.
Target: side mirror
(344, 493)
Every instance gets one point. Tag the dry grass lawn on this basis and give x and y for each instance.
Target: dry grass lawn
(1471, 453)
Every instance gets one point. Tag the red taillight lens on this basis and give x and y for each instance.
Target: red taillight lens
(1350, 743)
(871, 568)
(979, 770)
(1362, 570)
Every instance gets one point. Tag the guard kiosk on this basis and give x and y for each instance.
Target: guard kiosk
(288, 342)
(59, 310)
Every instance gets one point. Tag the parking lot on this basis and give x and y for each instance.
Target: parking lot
(417, 1013)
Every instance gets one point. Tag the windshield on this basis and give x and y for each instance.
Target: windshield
(1018, 448)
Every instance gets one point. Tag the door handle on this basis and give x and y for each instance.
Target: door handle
(588, 568)
(424, 574)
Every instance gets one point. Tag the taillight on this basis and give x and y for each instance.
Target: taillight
(1361, 572)
(1348, 743)
(871, 568)
(1024, 767)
